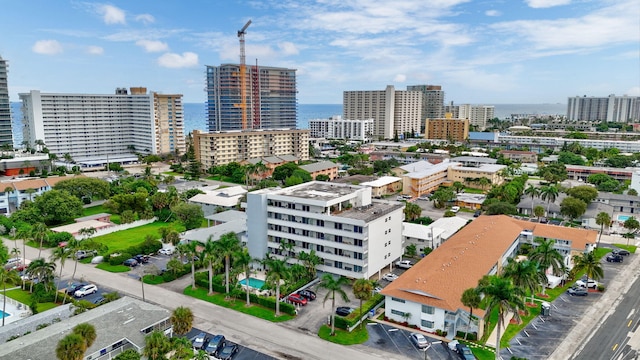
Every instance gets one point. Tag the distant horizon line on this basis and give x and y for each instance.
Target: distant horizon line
(545, 103)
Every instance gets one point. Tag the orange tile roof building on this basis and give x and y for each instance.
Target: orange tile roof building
(430, 291)
(14, 193)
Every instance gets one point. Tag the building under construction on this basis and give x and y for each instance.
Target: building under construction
(270, 98)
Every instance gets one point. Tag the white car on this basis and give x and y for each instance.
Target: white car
(455, 209)
(404, 264)
(419, 340)
(85, 290)
(390, 277)
(590, 283)
(167, 251)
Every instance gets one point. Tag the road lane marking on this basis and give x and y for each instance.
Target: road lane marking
(615, 347)
(631, 313)
(629, 324)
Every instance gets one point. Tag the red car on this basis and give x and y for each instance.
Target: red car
(297, 299)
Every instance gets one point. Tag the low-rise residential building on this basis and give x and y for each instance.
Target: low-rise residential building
(15, 192)
(470, 201)
(432, 235)
(212, 202)
(469, 175)
(520, 156)
(383, 186)
(621, 203)
(221, 148)
(327, 168)
(428, 295)
(355, 235)
(580, 172)
(270, 163)
(76, 228)
(425, 180)
(223, 223)
(336, 127)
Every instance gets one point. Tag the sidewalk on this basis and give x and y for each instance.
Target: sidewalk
(491, 340)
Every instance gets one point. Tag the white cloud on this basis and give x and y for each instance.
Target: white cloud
(634, 91)
(173, 60)
(47, 47)
(492, 13)
(146, 19)
(288, 48)
(112, 15)
(95, 50)
(400, 78)
(152, 46)
(537, 4)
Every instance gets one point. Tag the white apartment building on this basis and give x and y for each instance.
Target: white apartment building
(354, 235)
(612, 108)
(556, 142)
(96, 129)
(478, 115)
(338, 128)
(392, 111)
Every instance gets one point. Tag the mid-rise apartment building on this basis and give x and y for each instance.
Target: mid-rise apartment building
(478, 115)
(6, 135)
(446, 129)
(354, 235)
(338, 128)
(220, 148)
(432, 100)
(393, 112)
(611, 109)
(270, 98)
(96, 129)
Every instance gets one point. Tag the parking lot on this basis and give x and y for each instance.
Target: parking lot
(244, 353)
(542, 336)
(389, 339)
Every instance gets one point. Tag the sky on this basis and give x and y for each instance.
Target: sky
(480, 52)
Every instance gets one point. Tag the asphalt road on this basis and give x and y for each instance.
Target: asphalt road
(610, 340)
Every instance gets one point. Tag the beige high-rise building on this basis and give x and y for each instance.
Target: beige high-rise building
(392, 111)
(169, 123)
(447, 128)
(220, 148)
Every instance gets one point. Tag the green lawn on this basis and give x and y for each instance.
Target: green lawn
(98, 210)
(514, 329)
(123, 239)
(237, 305)
(25, 298)
(113, 268)
(343, 337)
(631, 248)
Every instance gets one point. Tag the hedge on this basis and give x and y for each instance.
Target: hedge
(202, 280)
(349, 321)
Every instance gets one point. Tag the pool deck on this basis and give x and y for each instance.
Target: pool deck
(259, 275)
(15, 309)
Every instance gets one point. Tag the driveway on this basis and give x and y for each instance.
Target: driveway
(385, 338)
(244, 353)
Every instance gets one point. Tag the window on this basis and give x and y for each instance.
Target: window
(338, 226)
(428, 309)
(397, 312)
(398, 300)
(427, 324)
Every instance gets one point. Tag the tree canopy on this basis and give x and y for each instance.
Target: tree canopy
(585, 193)
(572, 207)
(85, 187)
(56, 207)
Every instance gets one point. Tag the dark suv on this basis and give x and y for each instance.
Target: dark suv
(214, 345)
(613, 257)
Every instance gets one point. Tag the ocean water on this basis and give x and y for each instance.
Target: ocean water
(195, 114)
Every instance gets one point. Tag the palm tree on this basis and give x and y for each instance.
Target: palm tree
(182, 348)
(42, 270)
(412, 211)
(631, 224)
(259, 169)
(458, 186)
(362, 290)
(603, 219)
(87, 232)
(70, 347)
(549, 194)
(87, 332)
(525, 274)
(7, 275)
(59, 254)
(538, 211)
(38, 233)
(211, 256)
(227, 246)
(156, 345)
(201, 355)
(182, 320)
(500, 293)
(590, 264)
(534, 192)
(333, 286)
(483, 181)
(310, 260)
(547, 256)
(472, 299)
(112, 296)
(242, 260)
(190, 251)
(277, 272)
(67, 159)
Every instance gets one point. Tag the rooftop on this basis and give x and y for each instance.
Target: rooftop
(434, 169)
(319, 166)
(227, 197)
(229, 215)
(371, 212)
(417, 166)
(318, 190)
(385, 180)
(488, 168)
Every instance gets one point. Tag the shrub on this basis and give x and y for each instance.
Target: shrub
(118, 260)
(472, 336)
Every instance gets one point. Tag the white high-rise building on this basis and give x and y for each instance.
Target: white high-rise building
(104, 128)
(6, 135)
(354, 235)
(611, 109)
(478, 115)
(393, 112)
(338, 128)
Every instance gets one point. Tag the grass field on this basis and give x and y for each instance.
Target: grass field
(113, 268)
(123, 239)
(342, 337)
(25, 298)
(98, 210)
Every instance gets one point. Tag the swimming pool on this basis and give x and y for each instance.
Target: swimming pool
(4, 314)
(253, 282)
(623, 217)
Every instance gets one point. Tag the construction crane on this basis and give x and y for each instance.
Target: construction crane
(243, 70)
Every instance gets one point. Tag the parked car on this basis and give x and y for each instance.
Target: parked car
(390, 276)
(377, 289)
(623, 252)
(297, 299)
(198, 341)
(344, 310)
(130, 262)
(13, 263)
(424, 197)
(614, 258)
(592, 284)
(85, 290)
(404, 264)
(455, 209)
(419, 340)
(167, 251)
(214, 345)
(142, 259)
(82, 254)
(307, 294)
(464, 352)
(477, 213)
(577, 291)
(73, 287)
(99, 300)
(227, 352)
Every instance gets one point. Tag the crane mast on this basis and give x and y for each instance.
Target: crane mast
(243, 80)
